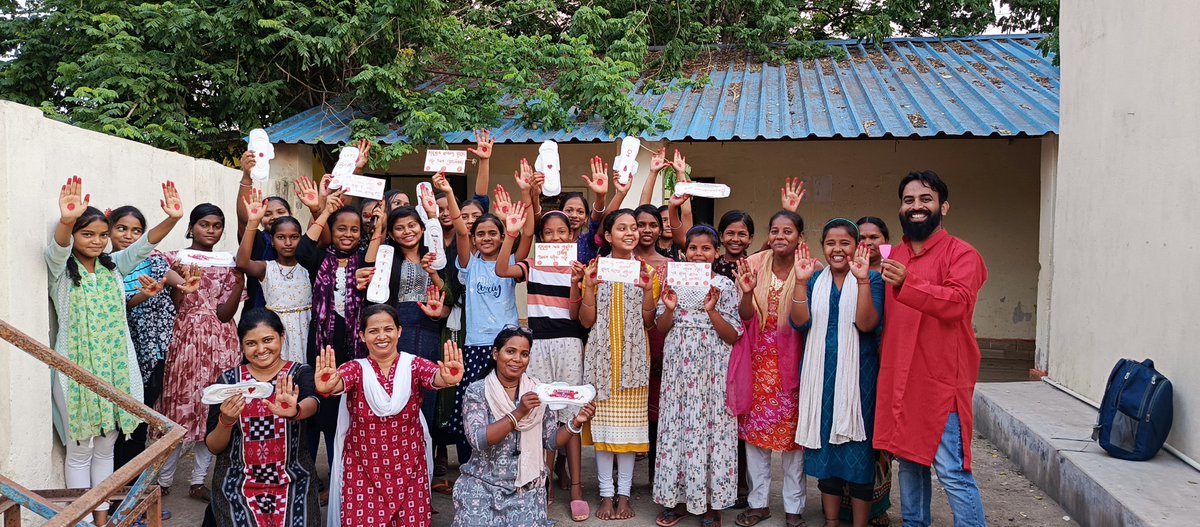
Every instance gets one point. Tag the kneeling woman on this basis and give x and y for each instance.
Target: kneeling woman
(507, 428)
(380, 470)
(264, 473)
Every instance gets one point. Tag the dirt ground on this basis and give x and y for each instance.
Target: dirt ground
(1008, 498)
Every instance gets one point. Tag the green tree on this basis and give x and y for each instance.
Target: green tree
(195, 75)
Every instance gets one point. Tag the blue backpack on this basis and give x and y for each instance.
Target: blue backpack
(1136, 412)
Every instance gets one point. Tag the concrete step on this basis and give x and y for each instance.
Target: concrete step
(1047, 433)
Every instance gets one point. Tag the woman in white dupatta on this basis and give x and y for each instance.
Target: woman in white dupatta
(504, 483)
(840, 315)
(380, 474)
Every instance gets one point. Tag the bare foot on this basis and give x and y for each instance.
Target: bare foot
(624, 510)
(605, 512)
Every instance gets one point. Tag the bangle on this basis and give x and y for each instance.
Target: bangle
(513, 236)
(513, 419)
(863, 282)
(574, 430)
(794, 301)
(569, 301)
(221, 420)
(585, 304)
(456, 216)
(246, 185)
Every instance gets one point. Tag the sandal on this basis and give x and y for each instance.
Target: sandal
(712, 519)
(880, 521)
(199, 491)
(669, 517)
(741, 503)
(443, 486)
(751, 517)
(794, 520)
(580, 511)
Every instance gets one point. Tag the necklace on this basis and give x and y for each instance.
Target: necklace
(291, 271)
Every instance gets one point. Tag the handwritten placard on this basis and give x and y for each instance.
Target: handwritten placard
(449, 161)
(363, 186)
(555, 254)
(205, 258)
(686, 274)
(618, 270)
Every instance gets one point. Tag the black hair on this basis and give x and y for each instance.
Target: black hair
(90, 215)
(347, 209)
(200, 211)
(735, 216)
(398, 214)
(567, 196)
(285, 220)
(126, 210)
(791, 216)
(662, 209)
(439, 195)
(876, 222)
(607, 226)
(472, 201)
(840, 223)
(387, 199)
(508, 333)
(258, 317)
(365, 203)
(376, 309)
(651, 210)
(286, 206)
(541, 222)
(928, 178)
(702, 230)
(486, 218)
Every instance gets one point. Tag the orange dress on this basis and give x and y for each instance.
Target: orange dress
(771, 422)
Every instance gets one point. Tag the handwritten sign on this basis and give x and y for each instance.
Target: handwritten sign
(346, 164)
(363, 186)
(449, 161)
(618, 270)
(555, 254)
(685, 274)
(205, 258)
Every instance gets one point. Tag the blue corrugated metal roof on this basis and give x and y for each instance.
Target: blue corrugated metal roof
(996, 85)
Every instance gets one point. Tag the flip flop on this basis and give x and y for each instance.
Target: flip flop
(580, 511)
(751, 517)
(443, 487)
(669, 517)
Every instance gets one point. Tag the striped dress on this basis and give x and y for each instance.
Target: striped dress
(556, 353)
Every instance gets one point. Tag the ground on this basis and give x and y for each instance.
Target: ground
(1008, 498)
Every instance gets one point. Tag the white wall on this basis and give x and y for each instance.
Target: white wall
(1125, 214)
(36, 155)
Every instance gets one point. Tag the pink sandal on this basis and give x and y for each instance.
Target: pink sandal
(580, 511)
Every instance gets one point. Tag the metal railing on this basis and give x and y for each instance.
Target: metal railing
(142, 498)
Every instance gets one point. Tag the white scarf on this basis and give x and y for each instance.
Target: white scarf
(847, 405)
(531, 461)
(382, 405)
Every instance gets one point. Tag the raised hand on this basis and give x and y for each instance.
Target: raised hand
(525, 174)
(804, 264)
(483, 143)
(710, 300)
(323, 186)
(747, 276)
(516, 218)
(255, 207)
(589, 275)
(598, 183)
(432, 306)
(326, 375)
(286, 402)
(149, 286)
(585, 414)
(440, 184)
(659, 160)
(645, 278)
(577, 270)
(860, 266)
(669, 299)
(362, 277)
(791, 193)
(248, 161)
(334, 202)
(503, 202)
(678, 200)
(680, 166)
(450, 368)
(364, 154)
(231, 409)
(191, 278)
(536, 183)
(622, 189)
(427, 263)
(70, 203)
(307, 191)
(427, 201)
(170, 202)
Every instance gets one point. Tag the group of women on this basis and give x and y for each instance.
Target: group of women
(705, 381)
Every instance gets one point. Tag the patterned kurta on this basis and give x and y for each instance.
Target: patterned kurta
(697, 436)
(288, 293)
(151, 323)
(620, 424)
(201, 349)
(485, 494)
(771, 422)
(265, 477)
(384, 476)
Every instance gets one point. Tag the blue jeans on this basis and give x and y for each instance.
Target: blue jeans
(916, 486)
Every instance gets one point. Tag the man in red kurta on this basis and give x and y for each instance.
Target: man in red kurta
(930, 359)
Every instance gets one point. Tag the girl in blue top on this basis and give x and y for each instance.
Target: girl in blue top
(490, 301)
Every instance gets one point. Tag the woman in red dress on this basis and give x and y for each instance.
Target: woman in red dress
(380, 474)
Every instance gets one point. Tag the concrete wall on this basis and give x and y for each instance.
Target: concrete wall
(36, 155)
(995, 187)
(1125, 209)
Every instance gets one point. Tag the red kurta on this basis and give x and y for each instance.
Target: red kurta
(930, 359)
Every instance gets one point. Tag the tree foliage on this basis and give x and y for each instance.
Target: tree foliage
(194, 75)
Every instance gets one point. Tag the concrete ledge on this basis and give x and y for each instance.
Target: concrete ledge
(1047, 433)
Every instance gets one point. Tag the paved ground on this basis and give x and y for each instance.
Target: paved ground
(1008, 498)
